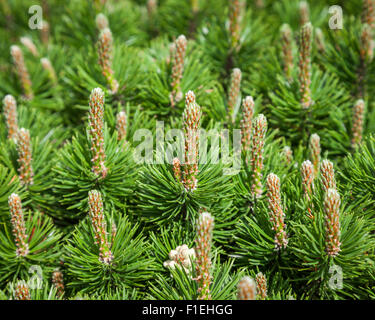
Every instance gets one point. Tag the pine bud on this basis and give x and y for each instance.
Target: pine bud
(358, 115)
(246, 122)
(205, 228)
(25, 157)
(332, 209)
(121, 125)
(21, 291)
(152, 6)
(105, 49)
(177, 169)
(315, 152)
(99, 225)
(191, 122)
(307, 172)
(58, 282)
(368, 13)
(261, 282)
(327, 175)
(256, 160)
(114, 230)
(305, 64)
(29, 44)
(366, 47)
(96, 121)
(23, 74)
(10, 113)
(287, 50)
(234, 22)
(182, 257)
(304, 12)
(18, 225)
(319, 40)
(276, 211)
(246, 289)
(44, 32)
(178, 68)
(46, 64)
(101, 21)
(234, 92)
(287, 154)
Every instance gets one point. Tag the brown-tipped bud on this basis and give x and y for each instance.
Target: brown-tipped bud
(121, 125)
(191, 122)
(287, 154)
(101, 21)
(315, 151)
(276, 212)
(29, 44)
(358, 117)
(368, 13)
(25, 157)
(21, 291)
(256, 160)
(18, 225)
(234, 92)
(247, 122)
(10, 113)
(105, 49)
(366, 47)
(58, 282)
(47, 65)
(177, 169)
(287, 50)
(246, 289)
(304, 12)
(152, 6)
(96, 122)
(44, 32)
(99, 225)
(178, 68)
(307, 172)
(319, 40)
(234, 22)
(305, 64)
(22, 72)
(327, 175)
(261, 282)
(332, 209)
(203, 242)
(114, 230)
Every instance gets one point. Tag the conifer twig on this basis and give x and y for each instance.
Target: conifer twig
(203, 241)
(314, 146)
(234, 92)
(25, 157)
(191, 122)
(305, 65)
(99, 225)
(18, 225)
(276, 212)
(246, 122)
(246, 289)
(10, 113)
(105, 49)
(96, 122)
(358, 117)
(22, 72)
(256, 160)
(261, 282)
(178, 68)
(332, 209)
